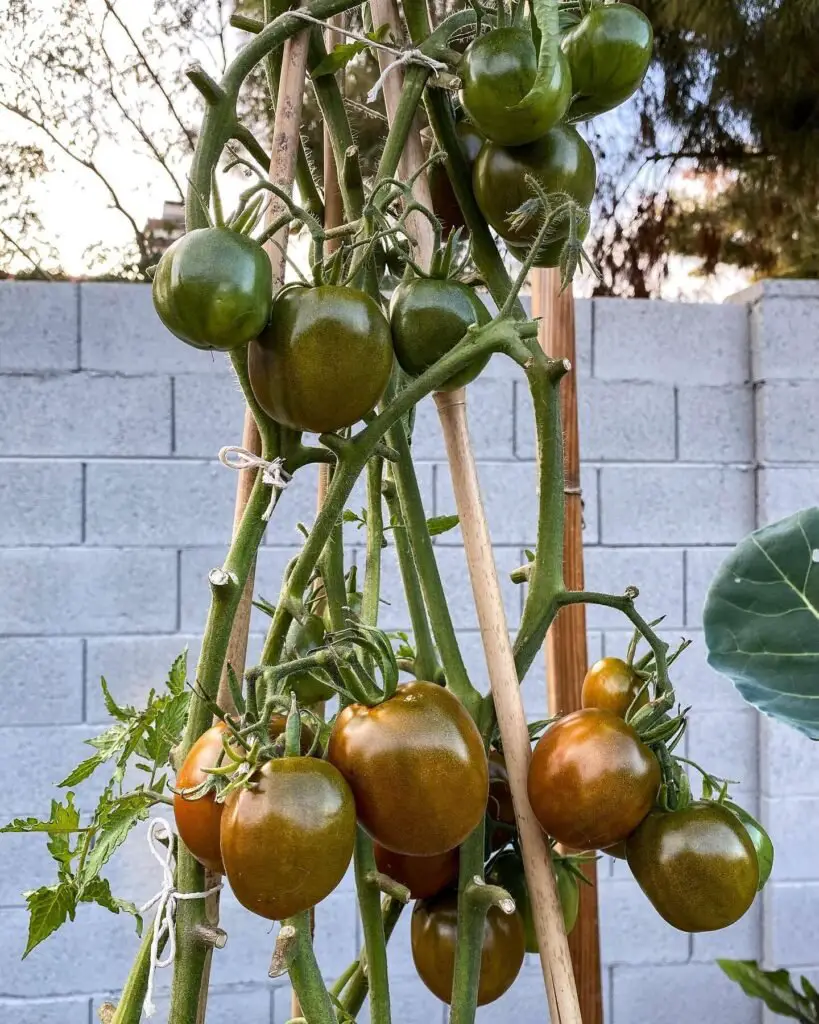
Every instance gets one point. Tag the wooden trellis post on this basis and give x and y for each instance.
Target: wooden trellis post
(566, 655)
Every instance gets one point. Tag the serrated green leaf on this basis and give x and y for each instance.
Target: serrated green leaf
(810, 992)
(98, 890)
(178, 674)
(66, 819)
(441, 524)
(113, 709)
(264, 606)
(774, 988)
(83, 770)
(341, 55)
(48, 908)
(761, 620)
(111, 740)
(113, 821)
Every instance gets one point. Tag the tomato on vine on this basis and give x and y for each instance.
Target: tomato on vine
(592, 780)
(423, 876)
(288, 840)
(608, 54)
(444, 202)
(507, 872)
(560, 161)
(212, 288)
(613, 685)
(499, 90)
(433, 933)
(697, 866)
(198, 819)
(303, 638)
(324, 360)
(417, 767)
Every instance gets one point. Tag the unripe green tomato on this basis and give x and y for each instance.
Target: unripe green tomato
(213, 288)
(560, 161)
(507, 872)
(324, 360)
(608, 53)
(304, 638)
(429, 317)
(497, 74)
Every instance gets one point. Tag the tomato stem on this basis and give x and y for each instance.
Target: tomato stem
(371, 589)
(472, 910)
(375, 942)
(356, 990)
(305, 974)
(129, 1007)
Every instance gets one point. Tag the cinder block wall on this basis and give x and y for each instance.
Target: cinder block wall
(698, 423)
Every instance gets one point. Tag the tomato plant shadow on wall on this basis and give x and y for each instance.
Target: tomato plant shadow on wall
(416, 783)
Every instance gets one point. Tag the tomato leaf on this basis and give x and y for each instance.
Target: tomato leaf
(774, 988)
(113, 820)
(441, 524)
(48, 908)
(761, 620)
(341, 55)
(98, 890)
(178, 674)
(111, 706)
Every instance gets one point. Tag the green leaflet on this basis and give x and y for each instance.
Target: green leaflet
(761, 620)
(775, 990)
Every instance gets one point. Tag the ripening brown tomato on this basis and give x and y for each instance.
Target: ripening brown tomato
(433, 933)
(444, 203)
(613, 685)
(500, 807)
(417, 767)
(277, 726)
(287, 842)
(198, 821)
(698, 866)
(423, 876)
(592, 780)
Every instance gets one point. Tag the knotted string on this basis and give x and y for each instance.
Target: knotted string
(273, 472)
(165, 903)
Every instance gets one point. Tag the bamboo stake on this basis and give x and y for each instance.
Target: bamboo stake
(566, 643)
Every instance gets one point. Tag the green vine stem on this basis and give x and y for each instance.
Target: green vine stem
(375, 942)
(375, 536)
(358, 987)
(305, 975)
(426, 661)
(129, 1007)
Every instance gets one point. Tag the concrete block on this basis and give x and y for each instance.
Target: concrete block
(631, 930)
(742, 941)
(726, 743)
(226, 1007)
(336, 941)
(246, 956)
(701, 565)
(626, 422)
(676, 504)
(524, 1001)
(788, 762)
(452, 566)
(81, 590)
(411, 1002)
(25, 862)
(42, 681)
(121, 333)
(679, 994)
(715, 424)
(39, 326)
(196, 563)
(491, 417)
(208, 413)
(46, 1011)
(85, 415)
(791, 923)
(784, 490)
(658, 574)
(150, 503)
(509, 493)
(132, 665)
(40, 503)
(775, 288)
(69, 961)
(678, 343)
(793, 824)
(786, 418)
(784, 335)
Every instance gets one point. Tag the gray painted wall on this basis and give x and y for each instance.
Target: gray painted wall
(698, 423)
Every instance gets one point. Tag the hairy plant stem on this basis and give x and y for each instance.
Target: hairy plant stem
(129, 1007)
(375, 943)
(471, 917)
(355, 992)
(305, 975)
(426, 661)
(371, 591)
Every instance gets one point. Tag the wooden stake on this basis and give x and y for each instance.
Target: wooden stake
(566, 643)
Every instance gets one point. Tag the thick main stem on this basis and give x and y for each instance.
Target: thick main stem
(305, 975)
(471, 916)
(375, 942)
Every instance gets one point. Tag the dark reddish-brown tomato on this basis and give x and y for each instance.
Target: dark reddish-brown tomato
(423, 876)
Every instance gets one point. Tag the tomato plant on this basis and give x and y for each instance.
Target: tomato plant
(507, 871)
(417, 767)
(198, 819)
(423, 876)
(444, 202)
(212, 288)
(324, 360)
(433, 932)
(288, 840)
(592, 780)
(613, 685)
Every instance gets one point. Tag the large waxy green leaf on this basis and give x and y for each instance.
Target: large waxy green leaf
(762, 620)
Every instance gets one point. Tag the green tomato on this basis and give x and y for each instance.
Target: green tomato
(213, 288)
(759, 837)
(560, 162)
(507, 872)
(428, 317)
(304, 638)
(608, 53)
(324, 360)
(498, 73)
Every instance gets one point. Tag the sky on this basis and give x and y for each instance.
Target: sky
(74, 206)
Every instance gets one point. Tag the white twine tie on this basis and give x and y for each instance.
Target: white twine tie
(165, 903)
(273, 471)
(402, 57)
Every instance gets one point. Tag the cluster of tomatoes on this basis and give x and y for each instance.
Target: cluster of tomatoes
(521, 126)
